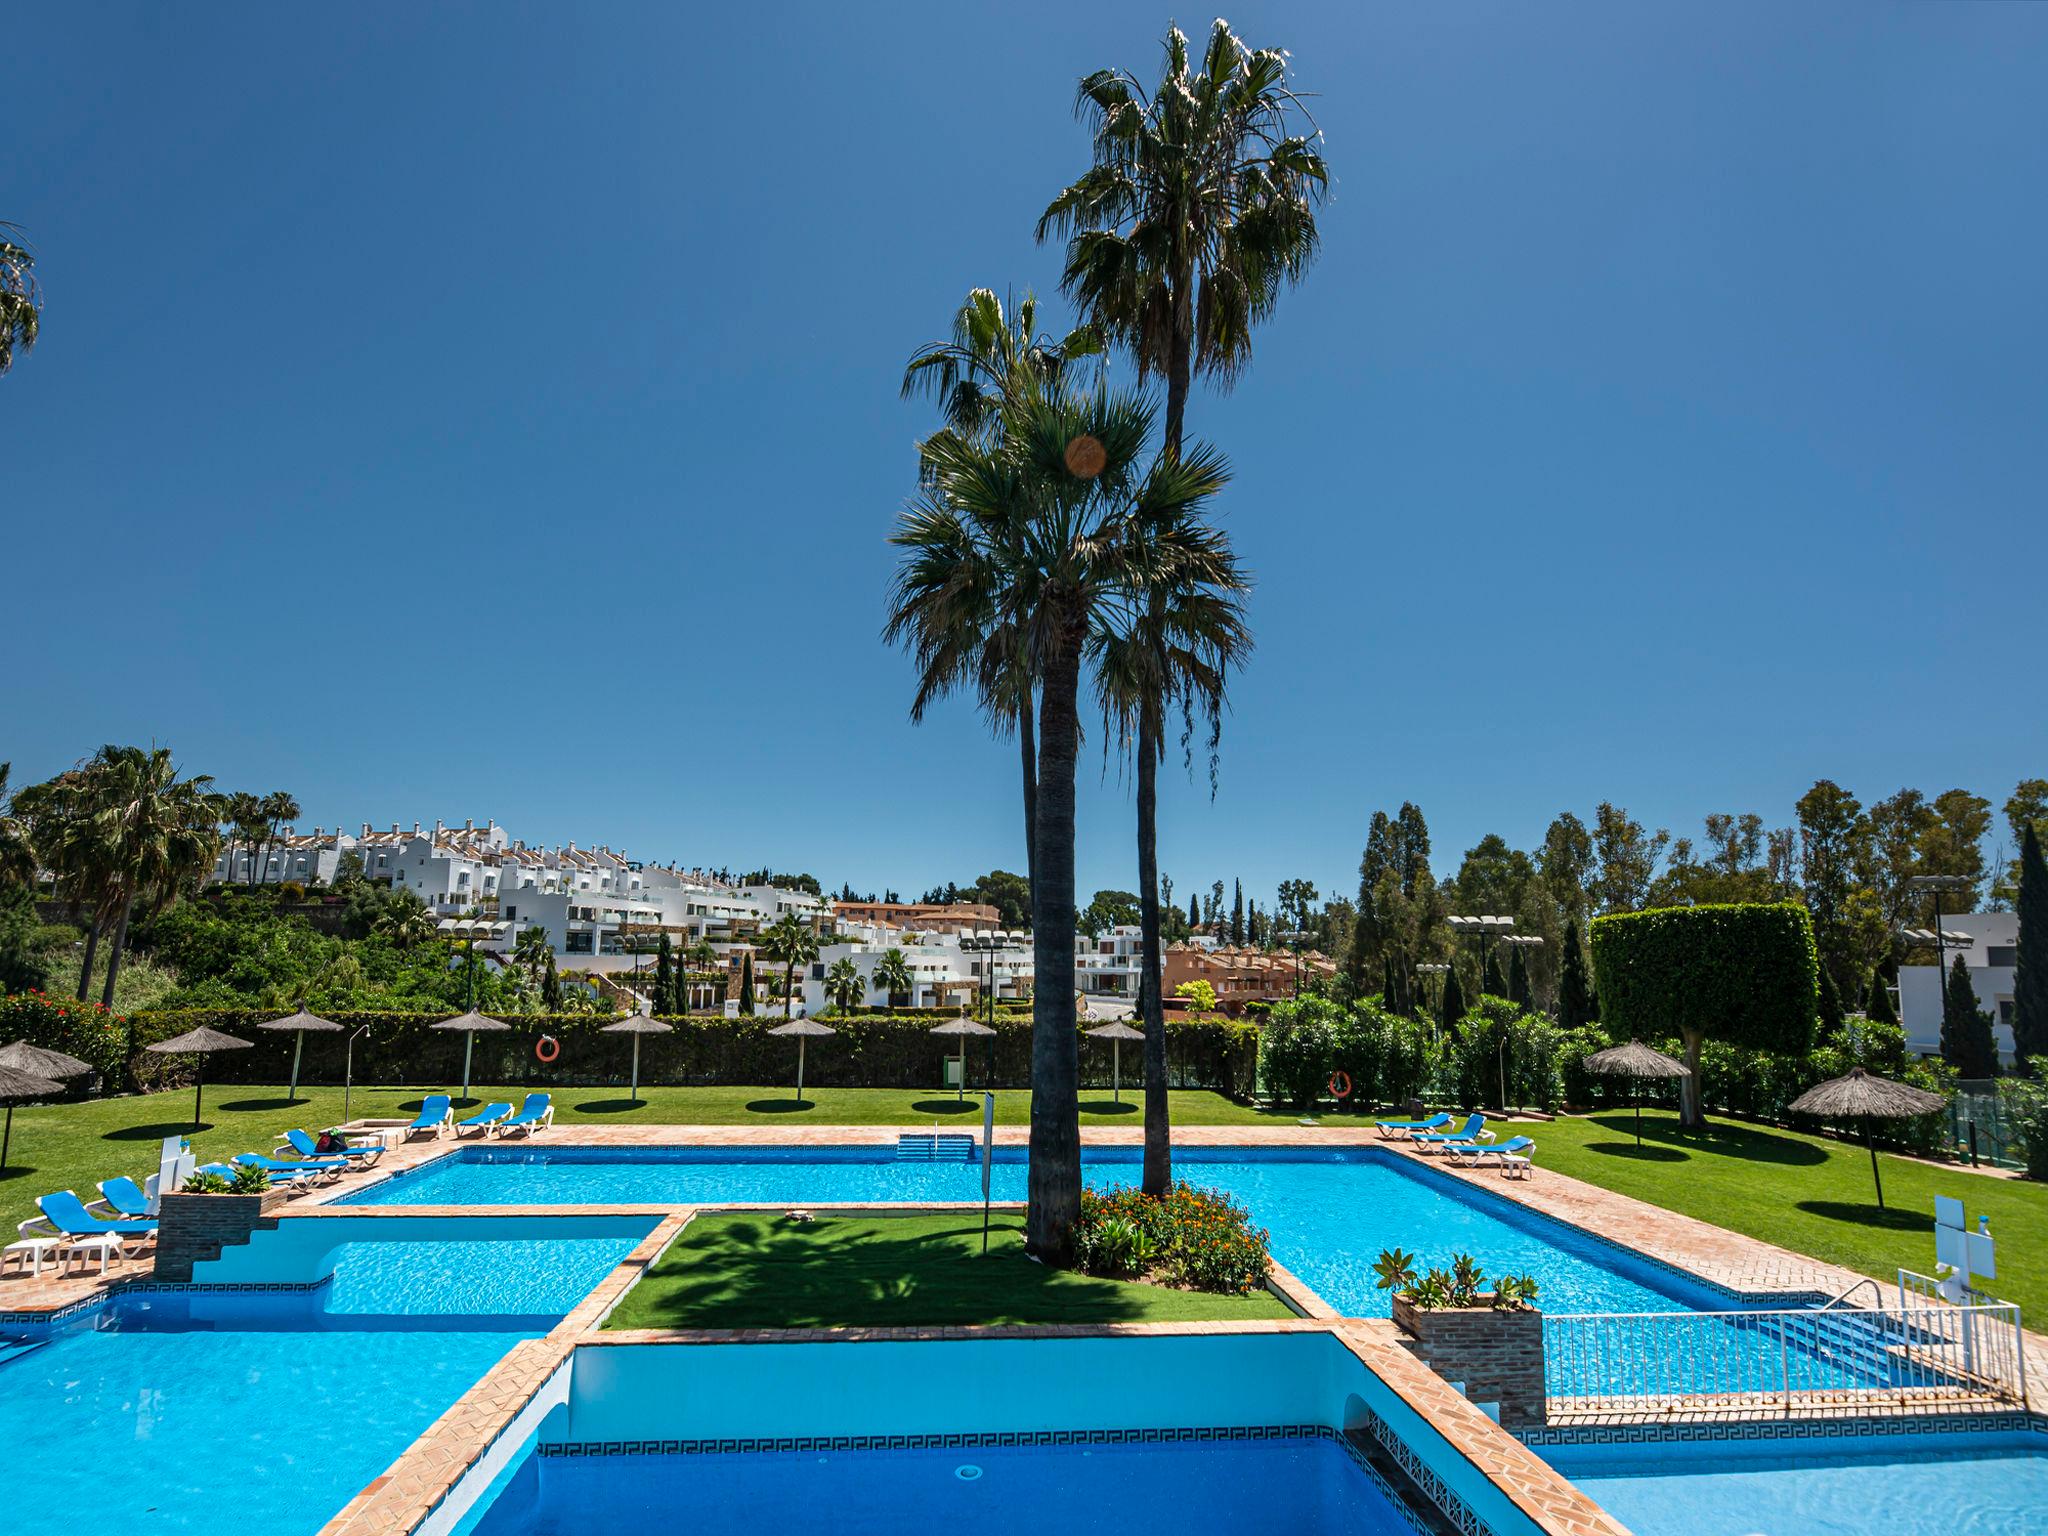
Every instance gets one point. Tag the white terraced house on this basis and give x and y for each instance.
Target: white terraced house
(1989, 945)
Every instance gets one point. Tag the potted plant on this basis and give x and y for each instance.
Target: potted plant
(1491, 1340)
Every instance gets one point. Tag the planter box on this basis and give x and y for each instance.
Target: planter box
(194, 1228)
(1497, 1355)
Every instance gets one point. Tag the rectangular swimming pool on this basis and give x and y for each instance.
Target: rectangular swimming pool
(1895, 1485)
(1330, 1211)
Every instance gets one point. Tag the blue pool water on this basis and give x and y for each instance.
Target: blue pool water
(252, 1414)
(1330, 1211)
(1929, 1485)
(1307, 1487)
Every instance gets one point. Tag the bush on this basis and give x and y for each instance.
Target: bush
(1745, 973)
(1296, 1050)
(1497, 1039)
(2026, 1107)
(1197, 1238)
(86, 1030)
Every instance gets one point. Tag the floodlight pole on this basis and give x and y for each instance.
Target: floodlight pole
(348, 1072)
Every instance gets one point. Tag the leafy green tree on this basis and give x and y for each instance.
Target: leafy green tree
(1451, 1007)
(1009, 894)
(21, 298)
(1107, 910)
(1565, 861)
(1518, 982)
(1967, 1043)
(2030, 974)
(1626, 857)
(1830, 1007)
(18, 860)
(1575, 1003)
(2026, 806)
(892, 975)
(550, 987)
(1833, 832)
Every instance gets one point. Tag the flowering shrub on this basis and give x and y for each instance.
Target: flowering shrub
(1197, 1238)
(88, 1031)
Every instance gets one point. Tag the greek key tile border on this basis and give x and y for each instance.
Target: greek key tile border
(1425, 1477)
(965, 1442)
(1888, 1427)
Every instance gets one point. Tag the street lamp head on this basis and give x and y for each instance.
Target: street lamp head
(1940, 883)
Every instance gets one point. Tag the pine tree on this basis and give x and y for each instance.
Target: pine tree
(1237, 913)
(550, 988)
(2030, 976)
(1518, 983)
(1830, 1007)
(747, 983)
(1453, 1008)
(1966, 1039)
(1879, 1008)
(1575, 1005)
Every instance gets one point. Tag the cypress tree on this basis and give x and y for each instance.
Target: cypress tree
(1491, 983)
(1575, 1005)
(1518, 983)
(2030, 976)
(550, 987)
(1237, 912)
(1966, 1039)
(1879, 1008)
(1387, 982)
(747, 983)
(1830, 1007)
(1194, 913)
(664, 979)
(1453, 1008)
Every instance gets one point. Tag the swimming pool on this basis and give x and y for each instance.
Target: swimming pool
(1917, 1485)
(250, 1413)
(1330, 1210)
(1307, 1486)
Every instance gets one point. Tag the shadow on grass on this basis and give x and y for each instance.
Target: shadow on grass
(1746, 1142)
(948, 1106)
(780, 1106)
(605, 1106)
(1109, 1107)
(751, 1272)
(258, 1106)
(16, 1171)
(154, 1132)
(1890, 1219)
(1649, 1152)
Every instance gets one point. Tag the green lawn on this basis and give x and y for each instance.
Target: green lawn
(748, 1271)
(1808, 1194)
(73, 1146)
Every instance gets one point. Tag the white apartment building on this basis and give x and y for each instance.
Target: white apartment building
(1109, 964)
(1989, 945)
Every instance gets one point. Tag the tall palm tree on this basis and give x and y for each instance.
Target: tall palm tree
(21, 298)
(277, 808)
(892, 974)
(1198, 207)
(1040, 517)
(242, 813)
(992, 363)
(843, 984)
(18, 862)
(1184, 631)
(789, 940)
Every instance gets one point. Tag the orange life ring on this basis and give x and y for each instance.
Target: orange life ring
(547, 1048)
(1340, 1084)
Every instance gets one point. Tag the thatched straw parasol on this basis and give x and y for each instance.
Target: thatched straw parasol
(15, 1085)
(470, 1023)
(38, 1061)
(963, 1027)
(299, 1023)
(201, 1043)
(1116, 1033)
(636, 1025)
(1635, 1060)
(1865, 1096)
(805, 1031)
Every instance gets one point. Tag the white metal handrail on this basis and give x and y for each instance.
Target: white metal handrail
(1597, 1363)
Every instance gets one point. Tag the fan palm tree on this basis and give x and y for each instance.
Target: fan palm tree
(21, 299)
(1184, 631)
(405, 921)
(843, 984)
(531, 951)
(242, 813)
(1198, 207)
(1042, 518)
(18, 862)
(789, 940)
(892, 974)
(276, 808)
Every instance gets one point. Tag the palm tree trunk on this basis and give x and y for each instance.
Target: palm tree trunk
(789, 992)
(1179, 359)
(1055, 1176)
(1151, 1009)
(118, 942)
(92, 946)
(1027, 741)
(1692, 1115)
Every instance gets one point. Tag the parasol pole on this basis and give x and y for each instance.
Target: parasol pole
(800, 1042)
(636, 1069)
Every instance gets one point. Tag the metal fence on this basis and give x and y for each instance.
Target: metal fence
(1911, 1352)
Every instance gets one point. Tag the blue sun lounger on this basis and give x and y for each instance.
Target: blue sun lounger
(537, 1113)
(436, 1110)
(1472, 1130)
(1473, 1152)
(318, 1168)
(1394, 1129)
(485, 1120)
(65, 1215)
(122, 1199)
(302, 1143)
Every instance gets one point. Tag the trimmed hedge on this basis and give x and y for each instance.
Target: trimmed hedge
(1744, 973)
(870, 1051)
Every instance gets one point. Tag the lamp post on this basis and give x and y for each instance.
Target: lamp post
(1484, 929)
(1935, 885)
(1518, 941)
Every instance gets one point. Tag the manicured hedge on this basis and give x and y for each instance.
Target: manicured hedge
(1745, 973)
(870, 1051)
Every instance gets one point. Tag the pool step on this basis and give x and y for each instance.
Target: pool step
(934, 1148)
(14, 1349)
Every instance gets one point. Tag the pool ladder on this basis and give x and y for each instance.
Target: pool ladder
(934, 1147)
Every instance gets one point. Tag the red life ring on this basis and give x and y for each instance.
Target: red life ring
(547, 1048)
(1340, 1084)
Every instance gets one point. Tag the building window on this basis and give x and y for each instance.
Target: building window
(2005, 1011)
(2001, 954)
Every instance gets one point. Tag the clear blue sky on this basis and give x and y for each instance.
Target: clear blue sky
(491, 411)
